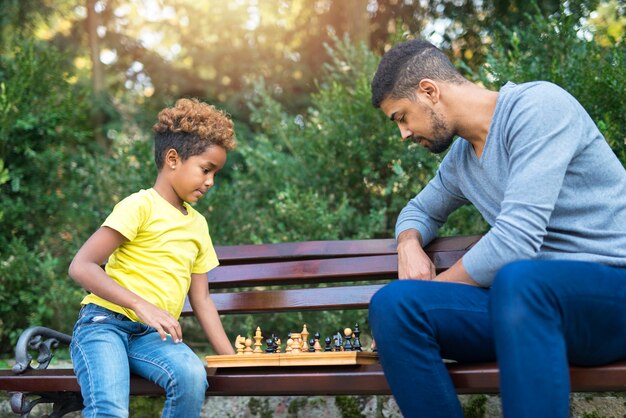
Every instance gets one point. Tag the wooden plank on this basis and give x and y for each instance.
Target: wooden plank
(318, 271)
(339, 297)
(339, 248)
(55, 380)
(305, 271)
(348, 380)
(232, 254)
(303, 381)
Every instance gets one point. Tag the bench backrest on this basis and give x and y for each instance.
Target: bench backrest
(313, 275)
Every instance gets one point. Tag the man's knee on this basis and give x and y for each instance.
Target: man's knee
(519, 289)
(400, 304)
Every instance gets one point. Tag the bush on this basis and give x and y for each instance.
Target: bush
(556, 49)
(339, 171)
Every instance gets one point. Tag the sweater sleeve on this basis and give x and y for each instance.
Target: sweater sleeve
(542, 132)
(429, 210)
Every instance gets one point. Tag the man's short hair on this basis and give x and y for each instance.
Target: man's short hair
(405, 65)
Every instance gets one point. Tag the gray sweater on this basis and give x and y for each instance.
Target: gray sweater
(547, 183)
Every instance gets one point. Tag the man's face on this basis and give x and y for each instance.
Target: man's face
(419, 123)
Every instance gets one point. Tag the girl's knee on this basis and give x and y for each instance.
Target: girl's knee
(192, 374)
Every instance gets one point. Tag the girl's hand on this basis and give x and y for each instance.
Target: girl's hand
(159, 319)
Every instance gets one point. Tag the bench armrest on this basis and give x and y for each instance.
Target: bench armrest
(37, 338)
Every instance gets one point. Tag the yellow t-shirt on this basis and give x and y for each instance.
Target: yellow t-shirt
(164, 248)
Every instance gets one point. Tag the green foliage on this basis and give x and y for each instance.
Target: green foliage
(349, 406)
(31, 291)
(339, 171)
(559, 49)
(260, 407)
(43, 136)
(475, 407)
(146, 406)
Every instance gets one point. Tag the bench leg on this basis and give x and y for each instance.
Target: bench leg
(62, 403)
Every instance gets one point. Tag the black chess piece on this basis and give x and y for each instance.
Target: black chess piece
(338, 341)
(271, 347)
(357, 342)
(327, 346)
(312, 345)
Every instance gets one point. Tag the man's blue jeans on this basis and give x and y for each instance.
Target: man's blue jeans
(538, 317)
(106, 347)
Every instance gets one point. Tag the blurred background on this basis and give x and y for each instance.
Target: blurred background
(81, 83)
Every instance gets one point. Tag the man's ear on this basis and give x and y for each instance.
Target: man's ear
(429, 90)
(171, 158)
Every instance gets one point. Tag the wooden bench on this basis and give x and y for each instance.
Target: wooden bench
(318, 275)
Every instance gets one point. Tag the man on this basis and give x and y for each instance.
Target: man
(546, 286)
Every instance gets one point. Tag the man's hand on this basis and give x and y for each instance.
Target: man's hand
(413, 263)
(159, 319)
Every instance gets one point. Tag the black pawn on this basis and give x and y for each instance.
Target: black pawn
(327, 346)
(312, 345)
(357, 342)
(270, 346)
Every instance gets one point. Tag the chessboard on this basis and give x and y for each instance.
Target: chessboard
(342, 349)
(341, 358)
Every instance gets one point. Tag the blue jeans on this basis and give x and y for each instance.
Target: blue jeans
(538, 317)
(107, 347)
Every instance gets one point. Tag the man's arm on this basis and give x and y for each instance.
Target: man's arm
(456, 274)
(413, 263)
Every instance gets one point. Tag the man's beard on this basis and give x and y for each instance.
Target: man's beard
(442, 135)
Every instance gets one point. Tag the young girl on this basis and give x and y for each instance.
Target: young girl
(157, 250)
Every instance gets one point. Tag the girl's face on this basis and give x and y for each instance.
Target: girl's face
(193, 177)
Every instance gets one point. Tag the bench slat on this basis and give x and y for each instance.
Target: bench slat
(303, 272)
(318, 271)
(348, 380)
(339, 297)
(253, 253)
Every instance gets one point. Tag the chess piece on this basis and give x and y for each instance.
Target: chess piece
(296, 347)
(338, 342)
(312, 345)
(239, 344)
(305, 336)
(270, 348)
(248, 349)
(327, 346)
(357, 341)
(257, 341)
(288, 350)
(277, 344)
(317, 347)
(347, 332)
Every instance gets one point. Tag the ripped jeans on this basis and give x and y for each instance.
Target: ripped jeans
(107, 347)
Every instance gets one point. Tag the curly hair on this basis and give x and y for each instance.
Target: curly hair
(190, 127)
(405, 65)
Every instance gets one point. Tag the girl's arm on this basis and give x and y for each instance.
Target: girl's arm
(205, 311)
(86, 270)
